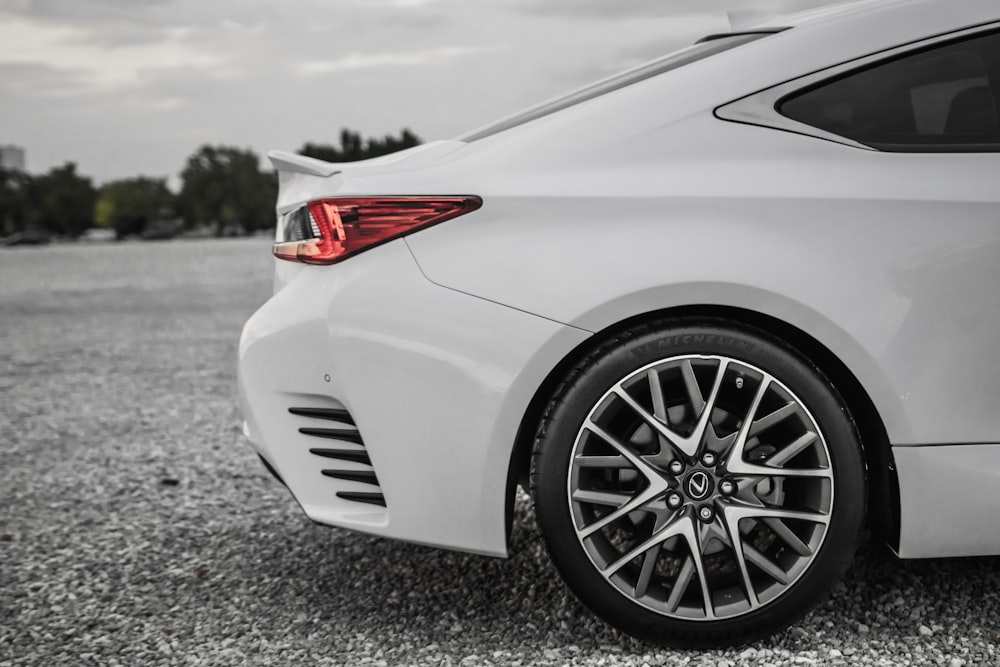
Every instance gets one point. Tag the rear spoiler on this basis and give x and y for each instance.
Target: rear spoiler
(724, 35)
(301, 164)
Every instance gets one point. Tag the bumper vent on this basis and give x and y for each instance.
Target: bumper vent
(342, 442)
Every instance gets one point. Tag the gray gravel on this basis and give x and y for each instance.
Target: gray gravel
(136, 528)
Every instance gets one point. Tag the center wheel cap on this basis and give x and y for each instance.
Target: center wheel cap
(698, 485)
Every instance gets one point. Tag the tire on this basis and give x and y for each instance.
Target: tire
(640, 523)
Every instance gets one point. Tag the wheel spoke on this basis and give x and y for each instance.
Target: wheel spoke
(654, 477)
(699, 564)
(646, 574)
(731, 521)
(656, 393)
(758, 470)
(693, 390)
(735, 461)
(632, 505)
(680, 584)
(698, 435)
(659, 405)
(602, 462)
(608, 498)
(770, 420)
(661, 429)
(765, 564)
(792, 449)
(687, 445)
(681, 526)
(787, 536)
(738, 512)
(674, 528)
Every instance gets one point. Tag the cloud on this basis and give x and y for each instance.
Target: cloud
(355, 61)
(409, 4)
(618, 10)
(85, 63)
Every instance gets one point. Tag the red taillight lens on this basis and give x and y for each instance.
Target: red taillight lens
(337, 228)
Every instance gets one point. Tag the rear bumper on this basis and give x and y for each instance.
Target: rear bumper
(436, 381)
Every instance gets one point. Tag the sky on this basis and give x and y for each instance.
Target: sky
(130, 87)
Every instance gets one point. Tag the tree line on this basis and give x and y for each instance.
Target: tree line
(222, 188)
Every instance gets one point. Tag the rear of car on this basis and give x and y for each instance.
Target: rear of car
(385, 401)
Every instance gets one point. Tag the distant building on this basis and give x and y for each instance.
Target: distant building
(11, 157)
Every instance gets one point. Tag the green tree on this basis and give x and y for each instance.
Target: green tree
(223, 186)
(64, 200)
(16, 211)
(129, 205)
(353, 147)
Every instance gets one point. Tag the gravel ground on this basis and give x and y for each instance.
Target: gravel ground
(136, 527)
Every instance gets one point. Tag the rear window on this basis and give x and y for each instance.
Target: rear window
(938, 99)
(701, 50)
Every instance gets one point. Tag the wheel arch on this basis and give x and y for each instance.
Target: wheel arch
(883, 507)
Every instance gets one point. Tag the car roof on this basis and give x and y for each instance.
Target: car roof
(919, 17)
(801, 44)
(828, 36)
(839, 9)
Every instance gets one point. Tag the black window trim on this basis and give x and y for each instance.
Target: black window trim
(761, 108)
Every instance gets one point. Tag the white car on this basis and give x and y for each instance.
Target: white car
(712, 312)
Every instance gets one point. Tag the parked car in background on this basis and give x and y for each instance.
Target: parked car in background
(30, 236)
(714, 313)
(98, 235)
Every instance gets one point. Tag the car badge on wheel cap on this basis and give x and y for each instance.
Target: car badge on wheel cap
(698, 485)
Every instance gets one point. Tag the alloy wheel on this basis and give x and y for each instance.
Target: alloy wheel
(700, 487)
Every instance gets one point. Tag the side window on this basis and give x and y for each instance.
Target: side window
(939, 99)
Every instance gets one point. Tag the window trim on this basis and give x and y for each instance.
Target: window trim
(761, 108)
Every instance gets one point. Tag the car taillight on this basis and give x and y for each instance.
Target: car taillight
(326, 231)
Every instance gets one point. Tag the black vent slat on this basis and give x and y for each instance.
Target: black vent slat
(346, 435)
(343, 455)
(366, 476)
(371, 498)
(324, 413)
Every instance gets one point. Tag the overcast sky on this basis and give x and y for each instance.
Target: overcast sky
(127, 87)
